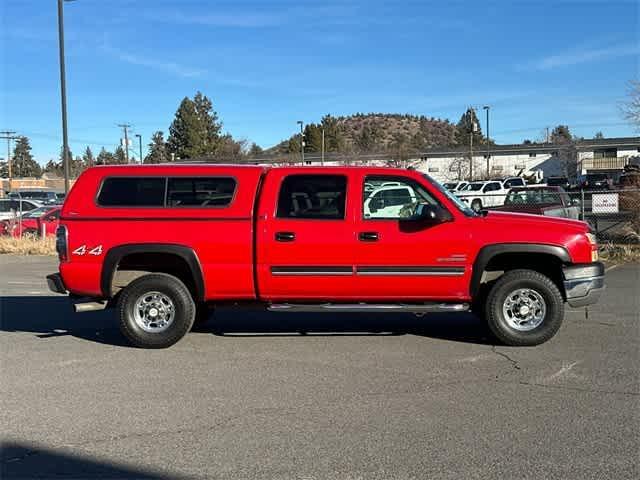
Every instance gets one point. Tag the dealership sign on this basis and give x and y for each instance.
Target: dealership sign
(604, 203)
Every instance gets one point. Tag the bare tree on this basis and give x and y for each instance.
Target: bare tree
(631, 108)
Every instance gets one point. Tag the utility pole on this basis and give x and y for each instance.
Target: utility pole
(8, 135)
(487, 107)
(299, 122)
(547, 137)
(140, 145)
(472, 130)
(322, 157)
(63, 97)
(125, 126)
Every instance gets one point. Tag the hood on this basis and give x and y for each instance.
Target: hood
(511, 220)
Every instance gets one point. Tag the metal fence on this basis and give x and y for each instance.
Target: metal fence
(614, 215)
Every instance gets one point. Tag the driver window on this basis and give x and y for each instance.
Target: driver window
(392, 197)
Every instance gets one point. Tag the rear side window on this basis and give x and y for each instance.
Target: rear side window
(320, 197)
(132, 192)
(200, 192)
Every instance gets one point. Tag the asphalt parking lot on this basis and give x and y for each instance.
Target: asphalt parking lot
(258, 395)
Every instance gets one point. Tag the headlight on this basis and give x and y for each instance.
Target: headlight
(594, 246)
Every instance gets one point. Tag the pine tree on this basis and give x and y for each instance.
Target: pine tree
(157, 149)
(312, 138)
(88, 159)
(561, 135)
(104, 157)
(53, 167)
(195, 130)
(119, 157)
(22, 162)
(255, 150)
(469, 122)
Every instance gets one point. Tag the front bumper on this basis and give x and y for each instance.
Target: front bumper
(55, 283)
(583, 283)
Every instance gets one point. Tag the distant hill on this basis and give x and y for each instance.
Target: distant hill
(373, 132)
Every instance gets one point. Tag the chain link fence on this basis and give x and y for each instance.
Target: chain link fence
(613, 214)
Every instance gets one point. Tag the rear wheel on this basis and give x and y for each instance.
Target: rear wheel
(524, 308)
(155, 311)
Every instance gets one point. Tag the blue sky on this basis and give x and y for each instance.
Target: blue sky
(267, 64)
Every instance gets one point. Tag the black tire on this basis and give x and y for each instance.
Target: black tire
(476, 205)
(184, 310)
(524, 279)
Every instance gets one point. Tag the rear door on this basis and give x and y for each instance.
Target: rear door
(305, 236)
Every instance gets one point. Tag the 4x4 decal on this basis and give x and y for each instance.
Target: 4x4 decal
(82, 250)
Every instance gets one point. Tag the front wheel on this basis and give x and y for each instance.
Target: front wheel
(155, 311)
(524, 308)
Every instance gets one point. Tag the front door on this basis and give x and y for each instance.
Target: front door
(397, 258)
(305, 244)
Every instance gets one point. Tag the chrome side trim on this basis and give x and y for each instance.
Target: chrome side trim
(409, 270)
(369, 307)
(306, 270)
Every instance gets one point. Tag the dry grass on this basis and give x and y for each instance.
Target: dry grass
(619, 253)
(27, 246)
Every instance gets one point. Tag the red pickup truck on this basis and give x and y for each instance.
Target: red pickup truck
(162, 244)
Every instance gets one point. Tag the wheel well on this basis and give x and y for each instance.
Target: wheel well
(544, 263)
(135, 265)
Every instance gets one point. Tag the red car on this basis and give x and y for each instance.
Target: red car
(33, 222)
(164, 243)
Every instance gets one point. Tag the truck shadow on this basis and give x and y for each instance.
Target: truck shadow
(52, 316)
(25, 460)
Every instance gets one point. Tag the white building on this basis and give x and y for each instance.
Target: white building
(542, 160)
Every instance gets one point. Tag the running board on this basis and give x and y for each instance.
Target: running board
(369, 307)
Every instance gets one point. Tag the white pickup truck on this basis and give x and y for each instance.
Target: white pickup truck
(490, 193)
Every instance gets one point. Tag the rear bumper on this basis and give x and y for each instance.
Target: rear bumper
(55, 283)
(583, 283)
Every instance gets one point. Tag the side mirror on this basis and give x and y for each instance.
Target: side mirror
(426, 212)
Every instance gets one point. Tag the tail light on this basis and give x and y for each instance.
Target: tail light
(62, 244)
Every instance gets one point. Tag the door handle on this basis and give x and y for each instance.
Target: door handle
(285, 236)
(368, 236)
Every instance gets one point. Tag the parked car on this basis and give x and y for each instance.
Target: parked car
(596, 181)
(11, 208)
(511, 182)
(42, 196)
(483, 194)
(33, 222)
(164, 243)
(541, 200)
(558, 182)
(455, 186)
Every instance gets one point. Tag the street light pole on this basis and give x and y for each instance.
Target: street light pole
(63, 97)
(322, 158)
(140, 145)
(487, 108)
(299, 122)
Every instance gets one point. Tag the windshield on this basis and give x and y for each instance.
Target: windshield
(36, 212)
(536, 196)
(472, 187)
(455, 200)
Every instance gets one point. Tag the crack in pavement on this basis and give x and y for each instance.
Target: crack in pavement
(514, 363)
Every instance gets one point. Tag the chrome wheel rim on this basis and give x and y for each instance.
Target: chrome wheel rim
(524, 309)
(154, 312)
